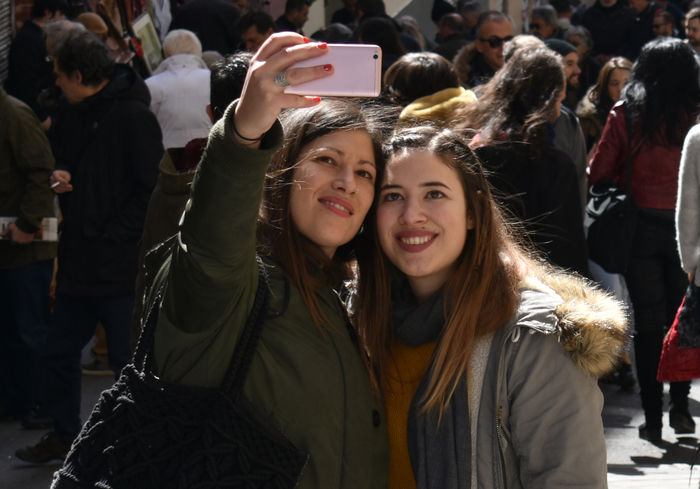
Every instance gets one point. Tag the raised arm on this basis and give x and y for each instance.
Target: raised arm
(214, 268)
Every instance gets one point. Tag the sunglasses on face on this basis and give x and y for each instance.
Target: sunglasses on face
(495, 41)
(535, 27)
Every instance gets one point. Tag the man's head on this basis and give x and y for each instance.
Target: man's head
(83, 66)
(663, 24)
(181, 41)
(226, 82)
(492, 30)
(607, 3)
(580, 38)
(470, 13)
(638, 5)
(569, 56)
(370, 8)
(543, 22)
(297, 12)
(255, 27)
(451, 24)
(692, 28)
(45, 10)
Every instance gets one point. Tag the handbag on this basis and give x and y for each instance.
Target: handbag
(611, 218)
(680, 355)
(148, 433)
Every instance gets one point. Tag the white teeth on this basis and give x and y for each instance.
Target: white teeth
(337, 206)
(416, 240)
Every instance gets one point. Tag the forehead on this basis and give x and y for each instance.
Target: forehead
(572, 57)
(251, 32)
(413, 167)
(694, 23)
(354, 143)
(500, 29)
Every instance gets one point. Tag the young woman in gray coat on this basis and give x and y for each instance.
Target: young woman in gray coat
(487, 358)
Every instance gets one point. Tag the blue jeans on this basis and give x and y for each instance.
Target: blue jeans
(72, 325)
(25, 310)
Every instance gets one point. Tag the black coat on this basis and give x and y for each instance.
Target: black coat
(214, 23)
(611, 27)
(111, 144)
(30, 69)
(543, 193)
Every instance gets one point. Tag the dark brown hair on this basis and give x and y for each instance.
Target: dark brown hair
(307, 266)
(517, 103)
(416, 75)
(599, 95)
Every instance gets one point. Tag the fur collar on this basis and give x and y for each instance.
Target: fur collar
(591, 324)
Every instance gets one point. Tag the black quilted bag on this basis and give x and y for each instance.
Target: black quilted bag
(147, 433)
(611, 218)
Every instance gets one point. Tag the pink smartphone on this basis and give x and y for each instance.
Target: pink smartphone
(357, 72)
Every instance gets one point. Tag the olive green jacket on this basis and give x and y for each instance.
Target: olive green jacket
(26, 165)
(313, 387)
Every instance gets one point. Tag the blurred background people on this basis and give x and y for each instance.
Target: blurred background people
(593, 110)
(663, 97)
(452, 35)
(477, 63)
(26, 266)
(179, 89)
(664, 24)
(254, 28)
(382, 32)
(543, 23)
(30, 70)
(580, 38)
(537, 182)
(610, 23)
(296, 13)
(212, 21)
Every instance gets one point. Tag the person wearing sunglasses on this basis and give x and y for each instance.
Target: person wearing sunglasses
(477, 63)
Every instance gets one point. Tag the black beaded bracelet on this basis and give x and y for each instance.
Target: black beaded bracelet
(233, 124)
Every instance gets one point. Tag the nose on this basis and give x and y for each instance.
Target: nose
(345, 180)
(412, 212)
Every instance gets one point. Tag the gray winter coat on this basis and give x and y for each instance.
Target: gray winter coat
(539, 415)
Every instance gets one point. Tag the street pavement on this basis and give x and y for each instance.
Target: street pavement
(632, 463)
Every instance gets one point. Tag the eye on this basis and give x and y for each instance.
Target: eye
(435, 194)
(392, 197)
(365, 174)
(325, 159)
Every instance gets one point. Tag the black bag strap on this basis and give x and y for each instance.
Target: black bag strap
(629, 124)
(245, 348)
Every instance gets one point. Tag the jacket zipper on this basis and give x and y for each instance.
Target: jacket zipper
(498, 410)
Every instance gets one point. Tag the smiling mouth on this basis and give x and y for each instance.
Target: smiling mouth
(417, 240)
(337, 206)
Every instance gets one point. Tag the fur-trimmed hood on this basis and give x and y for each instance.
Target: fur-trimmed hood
(585, 107)
(590, 323)
(463, 63)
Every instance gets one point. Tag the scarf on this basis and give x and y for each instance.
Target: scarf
(440, 452)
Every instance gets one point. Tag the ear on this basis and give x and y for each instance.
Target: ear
(269, 32)
(479, 46)
(78, 77)
(210, 113)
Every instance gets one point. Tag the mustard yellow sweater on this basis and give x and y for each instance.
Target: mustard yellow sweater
(404, 375)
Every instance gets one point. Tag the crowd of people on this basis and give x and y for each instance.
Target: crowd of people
(409, 241)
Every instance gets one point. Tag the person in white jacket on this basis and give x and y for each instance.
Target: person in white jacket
(688, 205)
(179, 89)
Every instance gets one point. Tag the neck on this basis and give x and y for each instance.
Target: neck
(423, 288)
(40, 22)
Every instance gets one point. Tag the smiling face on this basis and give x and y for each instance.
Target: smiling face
(422, 219)
(571, 69)
(333, 188)
(500, 31)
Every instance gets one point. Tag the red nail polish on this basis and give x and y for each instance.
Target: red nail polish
(306, 39)
(316, 99)
(322, 45)
(328, 67)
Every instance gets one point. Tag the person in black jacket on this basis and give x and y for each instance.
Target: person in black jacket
(30, 69)
(536, 182)
(106, 169)
(610, 23)
(214, 23)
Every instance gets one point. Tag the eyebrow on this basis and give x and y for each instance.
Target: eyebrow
(342, 153)
(422, 185)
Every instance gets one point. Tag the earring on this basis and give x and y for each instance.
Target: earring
(362, 228)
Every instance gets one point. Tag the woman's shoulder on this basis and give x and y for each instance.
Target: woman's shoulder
(586, 108)
(589, 324)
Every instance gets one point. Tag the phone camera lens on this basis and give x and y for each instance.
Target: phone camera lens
(376, 56)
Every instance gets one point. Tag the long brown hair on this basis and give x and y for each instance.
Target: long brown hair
(599, 94)
(518, 102)
(307, 266)
(482, 292)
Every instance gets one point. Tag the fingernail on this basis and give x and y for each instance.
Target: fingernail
(306, 39)
(328, 67)
(316, 99)
(322, 45)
